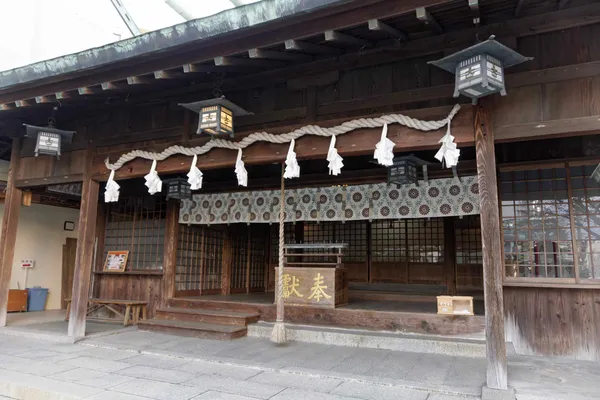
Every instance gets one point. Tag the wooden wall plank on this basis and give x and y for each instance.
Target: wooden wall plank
(554, 321)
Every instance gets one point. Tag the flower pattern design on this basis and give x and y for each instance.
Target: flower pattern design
(440, 197)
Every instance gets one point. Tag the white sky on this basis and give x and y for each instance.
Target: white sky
(36, 30)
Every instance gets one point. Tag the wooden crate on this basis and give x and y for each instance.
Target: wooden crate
(455, 305)
(17, 300)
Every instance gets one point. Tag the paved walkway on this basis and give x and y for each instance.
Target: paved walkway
(143, 365)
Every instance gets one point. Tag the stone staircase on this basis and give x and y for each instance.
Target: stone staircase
(206, 323)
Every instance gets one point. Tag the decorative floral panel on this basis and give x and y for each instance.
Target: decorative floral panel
(438, 198)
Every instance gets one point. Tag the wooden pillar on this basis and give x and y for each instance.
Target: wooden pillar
(450, 255)
(84, 256)
(496, 370)
(248, 256)
(170, 257)
(227, 260)
(99, 251)
(10, 222)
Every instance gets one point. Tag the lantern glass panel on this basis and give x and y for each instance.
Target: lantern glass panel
(178, 189)
(216, 120)
(48, 143)
(403, 172)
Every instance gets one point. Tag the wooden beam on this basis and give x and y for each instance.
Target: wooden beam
(278, 55)
(493, 270)
(139, 80)
(69, 94)
(25, 103)
(10, 223)
(170, 254)
(519, 8)
(376, 25)
(425, 17)
(206, 68)
(305, 81)
(311, 48)
(49, 180)
(338, 37)
(168, 74)
(474, 6)
(88, 213)
(113, 85)
(89, 90)
(546, 129)
(45, 99)
(246, 62)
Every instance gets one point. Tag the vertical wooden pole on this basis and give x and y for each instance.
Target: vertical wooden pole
(227, 260)
(99, 248)
(88, 213)
(10, 223)
(203, 251)
(369, 251)
(496, 370)
(170, 256)
(248, 258)
(450, 255)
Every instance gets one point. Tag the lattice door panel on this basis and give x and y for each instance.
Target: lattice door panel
(213, 260)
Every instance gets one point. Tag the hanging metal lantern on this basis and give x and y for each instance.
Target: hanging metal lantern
(216, 115)
(479, 69)
(178, 188)
(49, 139)
(404, 170)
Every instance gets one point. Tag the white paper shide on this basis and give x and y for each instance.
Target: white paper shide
(384, 150)
(240, 170)
(153, 182)
(335, 160)
(292, 168)
(111, 194)
(448, 154)
(195, 175)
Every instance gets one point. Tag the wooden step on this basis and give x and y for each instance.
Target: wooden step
(223, 317)
(201, 330)
(265, 310)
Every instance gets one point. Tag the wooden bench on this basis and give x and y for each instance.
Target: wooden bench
(131, 313)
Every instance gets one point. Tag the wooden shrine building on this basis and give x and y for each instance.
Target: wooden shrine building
(516, 225)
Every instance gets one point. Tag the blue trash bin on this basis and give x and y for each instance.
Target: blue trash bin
(36, 298)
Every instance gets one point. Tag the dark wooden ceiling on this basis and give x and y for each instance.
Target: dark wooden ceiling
(316, 52)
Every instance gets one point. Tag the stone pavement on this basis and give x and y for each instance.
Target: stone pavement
(144, 365)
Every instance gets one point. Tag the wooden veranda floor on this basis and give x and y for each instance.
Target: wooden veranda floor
(418, 316)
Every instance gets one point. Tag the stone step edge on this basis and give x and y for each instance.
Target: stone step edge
(461, 347)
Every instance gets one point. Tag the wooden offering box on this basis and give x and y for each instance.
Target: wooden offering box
(314, 275)
(455, 305)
